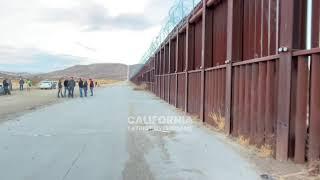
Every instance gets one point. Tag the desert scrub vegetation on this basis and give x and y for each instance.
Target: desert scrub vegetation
(265, 151)
(218, 120)
(141, 87)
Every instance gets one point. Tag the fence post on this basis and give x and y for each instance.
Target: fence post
(290, 32)
(169, 73)
(163, 59)
(314, 144)
(157, 73)
(234, 53)
(187, 66)
(154, 74)
(176, 70)
(160, 72)
(203, 42)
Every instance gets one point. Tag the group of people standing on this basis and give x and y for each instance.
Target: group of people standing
(70, 84)
(7, 85)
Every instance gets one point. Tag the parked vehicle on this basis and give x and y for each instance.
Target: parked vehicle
(1, 90)
(54, 85)
(46, 85)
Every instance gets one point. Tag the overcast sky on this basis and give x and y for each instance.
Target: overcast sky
(46, 35)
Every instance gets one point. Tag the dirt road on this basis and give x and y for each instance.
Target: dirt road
(95, 139)
(23, 101)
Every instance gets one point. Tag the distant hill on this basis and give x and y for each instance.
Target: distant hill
(113, 71)
(13, 75)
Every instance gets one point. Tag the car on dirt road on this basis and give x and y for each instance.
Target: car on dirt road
(46, 84)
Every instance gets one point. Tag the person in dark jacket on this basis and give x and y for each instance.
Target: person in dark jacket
(65, 84)
(6, 87)
(91, 84)
(21, 83)
(60, 89)
(85, 87)
(71, 86)
(80, 83)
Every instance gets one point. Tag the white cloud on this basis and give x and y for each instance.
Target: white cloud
(9, 55)
(99, 30)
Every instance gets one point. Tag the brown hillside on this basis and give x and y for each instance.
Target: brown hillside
(95, 71)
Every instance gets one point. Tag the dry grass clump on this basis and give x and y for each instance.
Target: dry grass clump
(243, 141)
(314, 168)
(194, 117)
(106, 81)
(265, 151)
(141, 87)
(218, 119)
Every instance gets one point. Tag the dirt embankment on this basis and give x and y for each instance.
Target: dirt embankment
(20, 102)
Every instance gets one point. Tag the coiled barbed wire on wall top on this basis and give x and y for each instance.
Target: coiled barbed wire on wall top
(179, 10)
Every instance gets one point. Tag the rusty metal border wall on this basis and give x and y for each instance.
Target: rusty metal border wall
(244, 63)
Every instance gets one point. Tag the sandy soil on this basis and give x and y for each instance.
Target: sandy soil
(20, 102)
